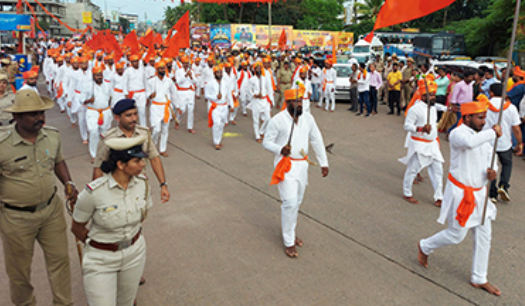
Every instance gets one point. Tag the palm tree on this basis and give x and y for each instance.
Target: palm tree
(368, 10)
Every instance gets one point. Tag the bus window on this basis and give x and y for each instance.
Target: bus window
(361, 49)
(438, 44)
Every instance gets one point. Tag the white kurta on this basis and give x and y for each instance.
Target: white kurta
(164, 90)
(220, 113)
(292, 188)
(117, 83)
(100, 105)
(329, 78)
(470, 154)
(260, 107)
(135, 82)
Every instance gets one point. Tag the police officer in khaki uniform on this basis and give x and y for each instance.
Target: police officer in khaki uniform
(125, 112)
(30, 209)
(7, 98)
(284, 81)
(116, 204)
(406, 89)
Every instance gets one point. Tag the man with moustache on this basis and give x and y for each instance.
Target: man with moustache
(117, 83)
(219, 100)
(126, 116)
(82, 79)
(465, 192)
(31, 210)
(98, 113)
(259, 105)
(186, 83)
(304, 82)
(291, 161)
(30, 80)
(161, 92)
(135, 86)
(423, 144)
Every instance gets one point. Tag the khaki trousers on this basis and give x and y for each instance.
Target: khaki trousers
(405, 95)
(280, 97)
(19, 230)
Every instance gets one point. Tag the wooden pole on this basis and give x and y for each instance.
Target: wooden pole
(503, 96)
(270, 25)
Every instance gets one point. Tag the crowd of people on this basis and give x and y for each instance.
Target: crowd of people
(146, 96)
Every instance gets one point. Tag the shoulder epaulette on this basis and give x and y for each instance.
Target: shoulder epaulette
(108, 132)
(96, 183)
(142, 127)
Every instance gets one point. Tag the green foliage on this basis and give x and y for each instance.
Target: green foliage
(362, 28)
(367, 10)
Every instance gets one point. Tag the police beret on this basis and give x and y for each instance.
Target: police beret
(123, 105)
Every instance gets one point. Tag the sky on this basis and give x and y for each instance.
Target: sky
(154, 8)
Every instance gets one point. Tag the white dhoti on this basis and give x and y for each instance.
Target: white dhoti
(421, 155)
(329, 95)
(112, 278)
(157, 113)
(219, 116)
(94, 128)
(186, 104)
(291, 191)
(260, 112)
(117, 96)
(454, 234)
(140, 100)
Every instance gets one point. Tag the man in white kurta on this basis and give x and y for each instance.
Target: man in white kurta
(229, 77)
(423, 146)
(243, 86)
(307, 85)
(292, 184)
(207, 74)
(98, 113)
(465, 192)
(160, 91)
(70, 89)
(196, 67)
(135, 87)
(117, 83)
(186, 83)
(83, 78)
(260, 105)
(59, 83)
(328, 87)
(218, 103)
(270, 81)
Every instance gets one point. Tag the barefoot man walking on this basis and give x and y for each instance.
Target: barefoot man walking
(465, 192)
(290, 146)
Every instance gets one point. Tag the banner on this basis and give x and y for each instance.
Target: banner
(321, 39)
(261, 34)
(200, 34)
(243, 34)
(220, 35)
(87, 18)
(14, 22)
(346, 40)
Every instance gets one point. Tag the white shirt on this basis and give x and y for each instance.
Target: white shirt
(510, 118)
(245, 75)
(307, 87)
(149, 71)
(319, 78)
(363, 82)
(211, 92)
(329, 75)
(470, 156)
(305, 133)
(207, 75)
(101, 93)
(134, 80)
(183, 81)
(162, 89)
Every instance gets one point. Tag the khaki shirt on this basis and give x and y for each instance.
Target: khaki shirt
(380, 66)
(275, 64)
(103, 150)
(27, 170)
(12, 70)
(116, 212)
(407, 74)
(5, 101)
(285, 75)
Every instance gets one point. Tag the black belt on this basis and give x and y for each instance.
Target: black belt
(32, 208)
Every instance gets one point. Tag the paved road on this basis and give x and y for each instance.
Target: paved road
(217, 242)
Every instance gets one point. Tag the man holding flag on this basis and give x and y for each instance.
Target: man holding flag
(288, 136)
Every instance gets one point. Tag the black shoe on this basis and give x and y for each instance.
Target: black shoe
(358, 114)
(399, 114)
(351, 109)
(390, 113)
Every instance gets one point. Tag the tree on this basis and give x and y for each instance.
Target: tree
(368, 10)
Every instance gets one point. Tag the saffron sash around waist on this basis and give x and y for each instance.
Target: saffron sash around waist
(267, 97)
(118, 90)
(133, 92)
(100, 111)
(166, 109)
(284, 166)
(213, 106)
(467, 204)
(425, 140)
(327, 82)
(185, 88)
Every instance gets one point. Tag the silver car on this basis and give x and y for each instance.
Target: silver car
(342, 84)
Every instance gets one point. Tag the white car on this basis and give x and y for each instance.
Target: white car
(342, 83)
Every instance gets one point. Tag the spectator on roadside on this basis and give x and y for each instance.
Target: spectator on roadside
(353, 86)
(376, 82)
(394, 80)
(442, 81)
(462, 93)
(363, 87)
(489, 80)
(517, 91)
(317, 76)
(479, 77)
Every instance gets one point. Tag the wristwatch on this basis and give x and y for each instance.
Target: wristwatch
(163, 184)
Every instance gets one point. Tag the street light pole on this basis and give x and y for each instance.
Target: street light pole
(270, 24)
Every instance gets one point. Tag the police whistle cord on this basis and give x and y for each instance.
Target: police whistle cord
(503, 96)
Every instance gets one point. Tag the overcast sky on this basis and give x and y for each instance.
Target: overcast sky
(154, 8)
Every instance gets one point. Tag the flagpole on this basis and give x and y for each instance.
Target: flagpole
(270, 24)
(504, 95)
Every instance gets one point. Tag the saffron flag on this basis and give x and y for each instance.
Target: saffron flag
(131, 41)
(183, 30)
(283, 39)
(394, 12)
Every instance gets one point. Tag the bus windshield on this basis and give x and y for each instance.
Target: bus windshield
(361, 49)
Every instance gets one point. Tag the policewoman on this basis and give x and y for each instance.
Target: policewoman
(116, 204)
